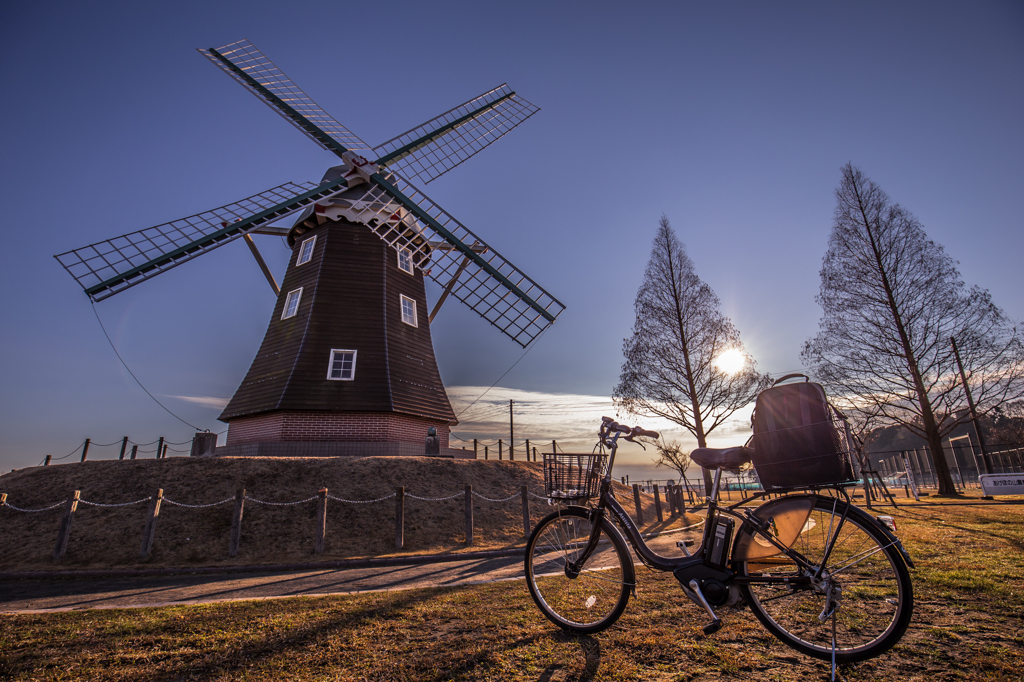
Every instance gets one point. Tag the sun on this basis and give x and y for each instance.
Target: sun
(731, 361)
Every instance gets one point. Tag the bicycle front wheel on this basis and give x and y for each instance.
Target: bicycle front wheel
(874, 599)
(583, 599)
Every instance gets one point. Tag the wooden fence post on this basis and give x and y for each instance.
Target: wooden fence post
(476, 454)
(321, 521)
(554, 446)
(673, 503)
(636, 503)
(499, 449)
(399, 517)
(525, 494)
(159, 447)
(47, 462)
(236, 522)
(85, 449)
(124, 446)
(486, 455)
(64, 534)
(527, 449)
(150, 531)
(163, 454)
(469, 516)
(135, 451)
(3, 499)
(657, 504)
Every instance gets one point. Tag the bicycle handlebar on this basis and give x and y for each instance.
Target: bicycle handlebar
(609, 425)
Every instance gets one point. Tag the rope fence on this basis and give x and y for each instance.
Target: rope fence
(514, 451)
(519, 450)
(205, 445)
(70, 506)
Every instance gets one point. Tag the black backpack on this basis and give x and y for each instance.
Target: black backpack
(797, 442)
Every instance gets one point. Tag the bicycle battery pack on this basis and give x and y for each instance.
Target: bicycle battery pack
(718, 539)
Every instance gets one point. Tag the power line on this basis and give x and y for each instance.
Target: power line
(527, 350)
(97, 314)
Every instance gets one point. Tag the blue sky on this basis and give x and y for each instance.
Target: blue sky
(733, 119)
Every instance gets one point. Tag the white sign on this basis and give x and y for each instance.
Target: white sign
(1002, 484)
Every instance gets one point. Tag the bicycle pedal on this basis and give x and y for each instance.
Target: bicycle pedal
(713, 627)
(683, 544)
(716, 623)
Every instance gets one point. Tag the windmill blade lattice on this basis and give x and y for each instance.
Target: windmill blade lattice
(250, 67)
(105, 268)
(494, 288)
(430, 150)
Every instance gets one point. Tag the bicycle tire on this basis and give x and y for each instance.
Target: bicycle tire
(592, 599)
(877, 598)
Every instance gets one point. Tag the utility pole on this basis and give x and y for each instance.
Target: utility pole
(511, 434)
(974, 412)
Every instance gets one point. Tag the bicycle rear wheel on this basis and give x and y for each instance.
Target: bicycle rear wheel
(875, 598)
(583, 599)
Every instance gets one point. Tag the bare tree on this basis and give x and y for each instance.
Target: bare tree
(672, 456)
(670, 365)
(1007, 424)
(892, 300)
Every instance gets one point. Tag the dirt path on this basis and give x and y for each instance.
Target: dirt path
(28, 596)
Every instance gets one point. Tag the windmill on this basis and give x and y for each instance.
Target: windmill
(347, 365)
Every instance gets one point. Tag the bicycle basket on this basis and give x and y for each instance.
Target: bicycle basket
(573, 477)
(797, 440)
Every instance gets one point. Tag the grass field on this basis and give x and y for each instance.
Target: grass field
(967, 625)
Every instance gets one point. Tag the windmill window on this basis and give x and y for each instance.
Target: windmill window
(306, 252)
(405, 260)
(408, 310)
(291, 304)
(343, 365)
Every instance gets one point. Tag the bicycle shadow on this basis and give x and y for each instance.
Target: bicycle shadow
(591, 650)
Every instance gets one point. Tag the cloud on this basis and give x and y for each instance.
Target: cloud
(205, 401)
(570, 419)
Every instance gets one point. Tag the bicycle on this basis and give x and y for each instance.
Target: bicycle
(820, 574)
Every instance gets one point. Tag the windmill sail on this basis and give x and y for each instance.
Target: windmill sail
(250, 67)
(398, 212)
(432, 149)
(105, 268)
(475, 273)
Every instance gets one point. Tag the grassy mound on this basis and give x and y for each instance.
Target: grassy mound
(111, 537)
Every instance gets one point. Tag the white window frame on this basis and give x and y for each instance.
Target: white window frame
(330, 366)
(297, 293)
(406, 252)
(402, 298)
(302, 251)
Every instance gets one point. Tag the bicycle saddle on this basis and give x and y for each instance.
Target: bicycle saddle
(722, 458)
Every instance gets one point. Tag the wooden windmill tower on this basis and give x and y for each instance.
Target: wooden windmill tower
(347, 364)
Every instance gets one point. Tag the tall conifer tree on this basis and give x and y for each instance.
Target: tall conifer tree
(892, 301)
(670, 367)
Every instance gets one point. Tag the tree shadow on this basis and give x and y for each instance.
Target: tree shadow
(922, 516)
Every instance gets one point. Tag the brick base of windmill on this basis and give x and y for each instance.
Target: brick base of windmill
(311, 434)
